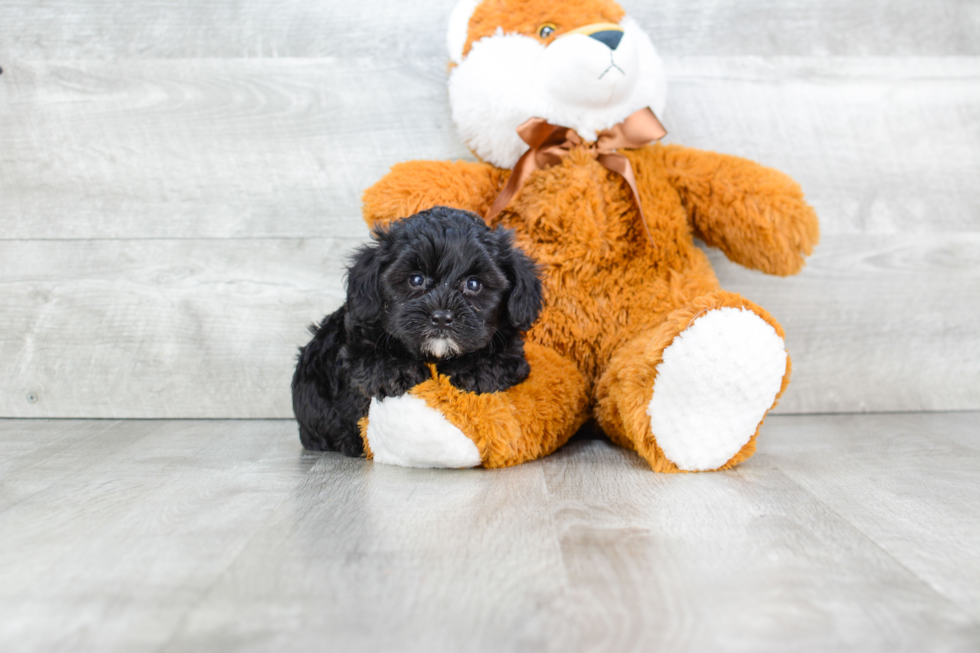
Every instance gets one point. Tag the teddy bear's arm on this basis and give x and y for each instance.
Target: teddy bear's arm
(754, 214)
(415, 186)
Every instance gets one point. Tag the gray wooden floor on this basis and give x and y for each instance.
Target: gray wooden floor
(856, 532)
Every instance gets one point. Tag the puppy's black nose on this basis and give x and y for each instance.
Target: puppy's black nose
(608, 36)
(442, 318)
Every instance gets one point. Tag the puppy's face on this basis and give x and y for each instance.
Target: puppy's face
(446, 284)
(443, 292)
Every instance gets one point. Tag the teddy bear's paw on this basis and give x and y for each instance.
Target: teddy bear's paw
(715, 383)
(406, 431)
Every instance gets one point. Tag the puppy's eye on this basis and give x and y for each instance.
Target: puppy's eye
(416, 281)
(473, 285)
(547, 30)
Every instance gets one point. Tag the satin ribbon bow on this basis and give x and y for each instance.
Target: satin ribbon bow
(549, 144)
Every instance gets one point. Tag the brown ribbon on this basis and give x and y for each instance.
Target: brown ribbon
(549, 144)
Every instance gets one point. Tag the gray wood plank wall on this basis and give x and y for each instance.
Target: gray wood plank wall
(180, 183)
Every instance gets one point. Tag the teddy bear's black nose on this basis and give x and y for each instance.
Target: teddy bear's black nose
(441, 318)
(611, 37)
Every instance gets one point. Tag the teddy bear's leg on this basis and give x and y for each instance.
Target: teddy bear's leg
(691, 394)
(438, 425)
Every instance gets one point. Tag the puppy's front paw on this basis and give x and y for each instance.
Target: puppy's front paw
(401, 379)
(470, 381)
(480, 376)
(388, 377)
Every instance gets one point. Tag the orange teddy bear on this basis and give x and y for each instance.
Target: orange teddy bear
(560, 101)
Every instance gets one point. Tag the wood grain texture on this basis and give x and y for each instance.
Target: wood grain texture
(844, 533)
(103, 29)
(215, 149)
(180, 183)
(122, 541)
(373, 557)
(209, 328)
(652, 562)
(154, 328)
(919, 493)
(37, 455)
(284, 148)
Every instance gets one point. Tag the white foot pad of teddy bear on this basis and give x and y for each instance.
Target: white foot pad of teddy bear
(406, 431)
(714, 385)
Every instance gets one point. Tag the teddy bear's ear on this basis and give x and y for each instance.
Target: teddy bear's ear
(459, 27)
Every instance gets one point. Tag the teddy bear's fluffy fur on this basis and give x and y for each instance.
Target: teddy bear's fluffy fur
(618, 306)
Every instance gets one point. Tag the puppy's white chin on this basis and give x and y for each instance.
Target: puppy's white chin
(440, 347)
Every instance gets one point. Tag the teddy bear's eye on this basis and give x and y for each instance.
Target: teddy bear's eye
(547, 30)
(416, 280)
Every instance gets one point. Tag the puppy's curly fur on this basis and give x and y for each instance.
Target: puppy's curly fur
(437, 287)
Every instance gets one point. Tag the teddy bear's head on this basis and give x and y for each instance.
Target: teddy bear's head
(582, 64)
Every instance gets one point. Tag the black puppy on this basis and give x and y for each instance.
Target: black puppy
(438, 287)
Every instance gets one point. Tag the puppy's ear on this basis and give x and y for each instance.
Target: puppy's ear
(525, 299)
(365, 301)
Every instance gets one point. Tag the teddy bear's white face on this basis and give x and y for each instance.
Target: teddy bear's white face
(588, 77)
